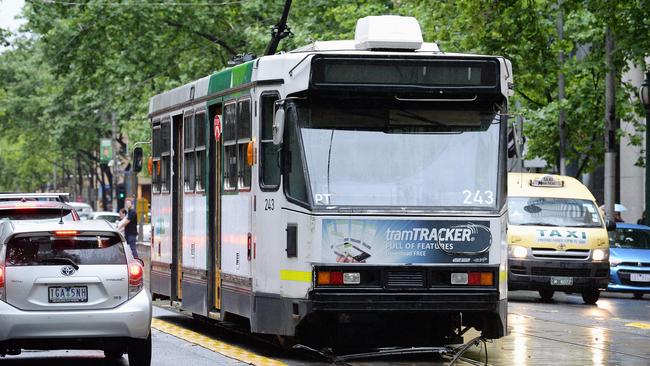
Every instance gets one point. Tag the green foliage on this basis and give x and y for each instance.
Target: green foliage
(86, 60)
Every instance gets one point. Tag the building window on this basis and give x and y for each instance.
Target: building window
(269, 168)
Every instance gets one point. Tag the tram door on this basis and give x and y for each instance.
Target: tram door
(177, 206)
(214, 199)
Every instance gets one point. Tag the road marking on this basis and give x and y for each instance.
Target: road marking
(640, 325)
(225, 349)
(300, 276)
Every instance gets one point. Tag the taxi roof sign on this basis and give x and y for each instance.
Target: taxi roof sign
(547, 181)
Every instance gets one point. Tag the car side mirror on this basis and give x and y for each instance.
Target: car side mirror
(610, 225)
(278, 126)
(137, 159)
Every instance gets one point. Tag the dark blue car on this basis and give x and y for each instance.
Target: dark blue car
(629, 259)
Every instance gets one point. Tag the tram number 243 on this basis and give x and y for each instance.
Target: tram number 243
(269, 204)
(480, 197)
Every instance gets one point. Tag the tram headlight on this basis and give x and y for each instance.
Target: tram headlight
(351, 278)
(518, 251)
(599, 254)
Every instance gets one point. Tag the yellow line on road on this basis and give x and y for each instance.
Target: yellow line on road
(640, 325)
(214, 345)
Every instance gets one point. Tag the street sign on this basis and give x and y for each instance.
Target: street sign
(105, 150)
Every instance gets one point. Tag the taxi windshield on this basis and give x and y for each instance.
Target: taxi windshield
(544, 211)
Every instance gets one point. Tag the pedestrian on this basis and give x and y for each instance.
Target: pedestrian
(641, 221)
(131, 226)
(122, 221)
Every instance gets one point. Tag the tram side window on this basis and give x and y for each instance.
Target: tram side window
(269, 169)
(199, 145)
(155, 172)
(230, 146)
(296, 187)
(165, 168)
(243, 138)
(188, 148)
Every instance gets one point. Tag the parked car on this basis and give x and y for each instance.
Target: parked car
(111, 217)
(629, 259)
(37, 210)
(83, 209)
(49, 196)
(72, 286)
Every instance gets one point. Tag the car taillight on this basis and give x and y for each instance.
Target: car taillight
(2, 280)
(66, 233)
(136, 278)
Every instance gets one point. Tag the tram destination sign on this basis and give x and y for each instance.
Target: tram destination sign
(405, 241)
(415, 71)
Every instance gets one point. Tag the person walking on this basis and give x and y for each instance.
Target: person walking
(130, 224)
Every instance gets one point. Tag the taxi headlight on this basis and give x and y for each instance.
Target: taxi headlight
(519, 252)
(599, 254)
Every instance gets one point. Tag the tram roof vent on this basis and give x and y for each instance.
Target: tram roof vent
(388, 32)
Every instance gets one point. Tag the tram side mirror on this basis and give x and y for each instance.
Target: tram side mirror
(137, 159)
(278, 126)
(610, 225)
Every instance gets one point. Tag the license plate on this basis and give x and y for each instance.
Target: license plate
(61, 294)
(561, 281)
(640, 277)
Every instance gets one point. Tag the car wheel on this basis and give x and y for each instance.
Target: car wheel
(112, 354)
(546, 294)
(638, 295)
(140, 352)
(590, 296)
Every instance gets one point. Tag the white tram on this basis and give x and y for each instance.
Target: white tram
(346, 190)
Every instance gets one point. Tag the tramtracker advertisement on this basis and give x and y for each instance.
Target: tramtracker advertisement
(405, 241)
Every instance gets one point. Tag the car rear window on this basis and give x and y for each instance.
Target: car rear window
(42, 213)
(55, 250)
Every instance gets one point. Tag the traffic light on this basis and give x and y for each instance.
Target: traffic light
(121, 195)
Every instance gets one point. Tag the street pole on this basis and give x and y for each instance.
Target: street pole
(644, 94)
(114, 167)
(610, 127)
(561, 92)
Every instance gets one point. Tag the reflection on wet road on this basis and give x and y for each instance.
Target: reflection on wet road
(567, 332)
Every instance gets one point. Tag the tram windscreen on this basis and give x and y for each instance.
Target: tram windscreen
(392, 157)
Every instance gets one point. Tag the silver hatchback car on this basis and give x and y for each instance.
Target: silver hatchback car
(72, 286)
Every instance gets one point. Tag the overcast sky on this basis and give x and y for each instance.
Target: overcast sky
(8, 10)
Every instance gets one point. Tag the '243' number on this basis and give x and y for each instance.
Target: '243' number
(480, 197)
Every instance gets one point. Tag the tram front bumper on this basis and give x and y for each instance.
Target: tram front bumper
(387, 301)
(538, 274)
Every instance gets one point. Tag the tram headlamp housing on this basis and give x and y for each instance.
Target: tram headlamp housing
(600, 254)
(518, 251)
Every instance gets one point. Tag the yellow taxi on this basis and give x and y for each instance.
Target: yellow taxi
(557, 237)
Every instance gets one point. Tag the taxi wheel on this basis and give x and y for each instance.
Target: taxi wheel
(546, 294)
(638, 295)
(140, 352)
(590, 296)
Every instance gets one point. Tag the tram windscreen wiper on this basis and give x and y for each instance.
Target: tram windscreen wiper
(60, 260)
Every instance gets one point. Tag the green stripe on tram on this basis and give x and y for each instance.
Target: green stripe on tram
(231, 77)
